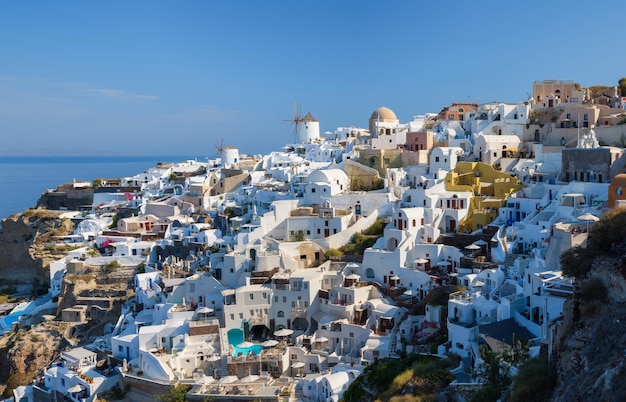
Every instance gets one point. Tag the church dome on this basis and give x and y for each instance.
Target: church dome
(383, 114)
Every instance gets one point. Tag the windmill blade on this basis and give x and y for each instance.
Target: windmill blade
(219, 148)
(295, 120)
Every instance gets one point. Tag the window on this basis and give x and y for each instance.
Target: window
(293, 304)
(232, 316)
(281, 314)
(436, 159)
(120, 348)
(264, 295)
(275, 299)
(450, 117)
(618, 191)
(251, 295)
(284, 299)
(306, 303)
(313, 190)
(585, 117)
(241, 316)
(251, 313)
(387, 161)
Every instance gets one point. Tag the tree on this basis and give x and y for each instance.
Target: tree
(333, 254)
(494, 373)
(535, 381)
(622, 86)
(176, 394)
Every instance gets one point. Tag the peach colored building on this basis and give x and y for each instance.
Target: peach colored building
(617, 191)
(565, 91)
(457, 111)
(419, 141)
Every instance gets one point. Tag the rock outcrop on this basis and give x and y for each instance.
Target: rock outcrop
(25, 352)
(26, 248)
(591, 360)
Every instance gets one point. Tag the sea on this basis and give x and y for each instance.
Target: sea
(24, 178)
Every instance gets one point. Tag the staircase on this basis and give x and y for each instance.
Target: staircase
(393, 345)
(324, 365)
(224, 368)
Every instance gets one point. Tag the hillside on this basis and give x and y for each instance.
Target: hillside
(25, 251)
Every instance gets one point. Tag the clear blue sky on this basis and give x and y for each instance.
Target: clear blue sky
(175, 77)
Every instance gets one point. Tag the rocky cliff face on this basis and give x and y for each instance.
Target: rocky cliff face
(591, 360)
(25, 352)
(25, 248)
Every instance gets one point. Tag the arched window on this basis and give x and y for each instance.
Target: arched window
(369, 273)
(618, 191)
(281, 314)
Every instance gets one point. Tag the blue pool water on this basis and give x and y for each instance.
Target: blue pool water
(19, 310)
(235, 337)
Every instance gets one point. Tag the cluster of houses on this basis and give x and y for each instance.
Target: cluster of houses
(234, 294)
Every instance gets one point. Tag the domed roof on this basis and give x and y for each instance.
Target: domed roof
(383, 114)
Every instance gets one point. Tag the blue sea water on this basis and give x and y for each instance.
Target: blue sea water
(24, 178)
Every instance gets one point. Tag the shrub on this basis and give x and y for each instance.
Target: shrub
(376, 229)
(176, 394)
(110, 266)
(333, 253)
(577, 261)
(593, 289)
(535, 381)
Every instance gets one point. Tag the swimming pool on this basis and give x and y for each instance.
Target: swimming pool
(18, 311)
(235, 337)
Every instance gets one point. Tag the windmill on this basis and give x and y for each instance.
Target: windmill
(219, 149)
(296, 119)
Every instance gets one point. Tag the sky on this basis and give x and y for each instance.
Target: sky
(180, 77)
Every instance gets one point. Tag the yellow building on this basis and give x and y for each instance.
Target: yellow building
(490, 187)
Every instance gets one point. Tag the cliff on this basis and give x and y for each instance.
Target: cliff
(26, 247)
(591, 357)
(25, 352)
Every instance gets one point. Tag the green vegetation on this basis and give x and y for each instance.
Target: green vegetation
(535, 381)
(173, 177)
(114, 394)
(607, 238)
(593, 289)
(495, 371)
(111, 266)
(415, 378)
(297, 235)
(376, 229)
(333, 254)
(141, 268)
(16, 380)
(495, 375)
(176, 394)
(358, 244)
(97, 183)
